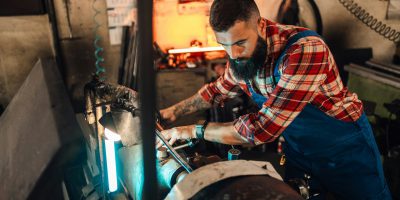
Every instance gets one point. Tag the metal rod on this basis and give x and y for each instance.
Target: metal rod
(174, 153)
(147, 98)
(183, 146)
(56, 38)
(172, 150)
(93, 115)
(100, 142)
(125, 47)
(68, 19)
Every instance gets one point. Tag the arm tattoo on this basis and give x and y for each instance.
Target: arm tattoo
(191, 105)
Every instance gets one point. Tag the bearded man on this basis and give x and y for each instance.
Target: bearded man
(291, 74)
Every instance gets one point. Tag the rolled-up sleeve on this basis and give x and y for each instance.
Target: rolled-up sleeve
(304, 69)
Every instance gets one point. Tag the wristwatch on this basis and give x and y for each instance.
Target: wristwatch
(200, 130)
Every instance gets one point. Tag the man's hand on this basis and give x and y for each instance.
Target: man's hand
(177, 133)
(168, 114)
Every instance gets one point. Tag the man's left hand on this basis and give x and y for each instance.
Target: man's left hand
(177, 133)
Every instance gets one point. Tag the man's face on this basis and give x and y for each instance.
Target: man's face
(246, 49)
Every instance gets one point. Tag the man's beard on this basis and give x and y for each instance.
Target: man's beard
(247, 68)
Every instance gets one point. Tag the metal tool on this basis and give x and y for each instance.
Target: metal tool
(190, 143)
(175, 154)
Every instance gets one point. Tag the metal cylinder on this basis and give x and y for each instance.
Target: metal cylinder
(233, 154)
(172, 172)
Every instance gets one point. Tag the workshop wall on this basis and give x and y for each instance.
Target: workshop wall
(174, 28)
(343, 30)
(176, 25)
(23, 40)
(78, 50)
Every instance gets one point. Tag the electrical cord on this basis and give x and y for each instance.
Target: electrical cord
(98, 49)
(370, 21)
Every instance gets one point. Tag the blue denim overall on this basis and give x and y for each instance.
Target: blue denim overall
(341, 157)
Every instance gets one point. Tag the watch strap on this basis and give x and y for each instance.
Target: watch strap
(200, 129)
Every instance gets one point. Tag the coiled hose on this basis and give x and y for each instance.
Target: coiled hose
(370, 21)
(98, 49)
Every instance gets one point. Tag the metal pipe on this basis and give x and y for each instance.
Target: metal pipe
(147, 97)
(175, 154)
(89, 93)
(172, 150)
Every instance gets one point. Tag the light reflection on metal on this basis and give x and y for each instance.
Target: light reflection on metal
(110, 135)
(131, 161)
(171, 172)
(111, 165)
(195, 50)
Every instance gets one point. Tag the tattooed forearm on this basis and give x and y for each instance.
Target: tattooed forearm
(191, 105)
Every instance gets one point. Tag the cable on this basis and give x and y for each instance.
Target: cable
(387, 135)
(370, 21)
(98, 49)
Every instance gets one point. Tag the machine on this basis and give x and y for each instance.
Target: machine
(114, 168)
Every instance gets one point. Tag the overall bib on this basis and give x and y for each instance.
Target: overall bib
(341, 157)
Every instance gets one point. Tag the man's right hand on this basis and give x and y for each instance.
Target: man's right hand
(168, 114)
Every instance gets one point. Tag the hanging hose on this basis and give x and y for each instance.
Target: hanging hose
(370, 21)
(98, 49)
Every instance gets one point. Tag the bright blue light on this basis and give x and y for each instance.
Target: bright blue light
(111, 166)
(111, 135)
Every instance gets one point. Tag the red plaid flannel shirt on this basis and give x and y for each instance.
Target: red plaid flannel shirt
(308, 75)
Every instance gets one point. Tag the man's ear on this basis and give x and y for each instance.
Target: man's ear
(261, 24)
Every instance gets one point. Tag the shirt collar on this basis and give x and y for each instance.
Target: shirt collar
(276, 37)
(273, 40)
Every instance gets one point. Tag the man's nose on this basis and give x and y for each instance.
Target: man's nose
(234, 51)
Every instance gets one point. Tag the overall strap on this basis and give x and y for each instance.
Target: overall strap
(257, 98)
(290, 42)
(260, 99)
(249, 86)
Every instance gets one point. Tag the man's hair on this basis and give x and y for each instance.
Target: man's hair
(224, 13)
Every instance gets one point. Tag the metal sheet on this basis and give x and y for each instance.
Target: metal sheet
(131, 159)
(209, 174)
(37, 122)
